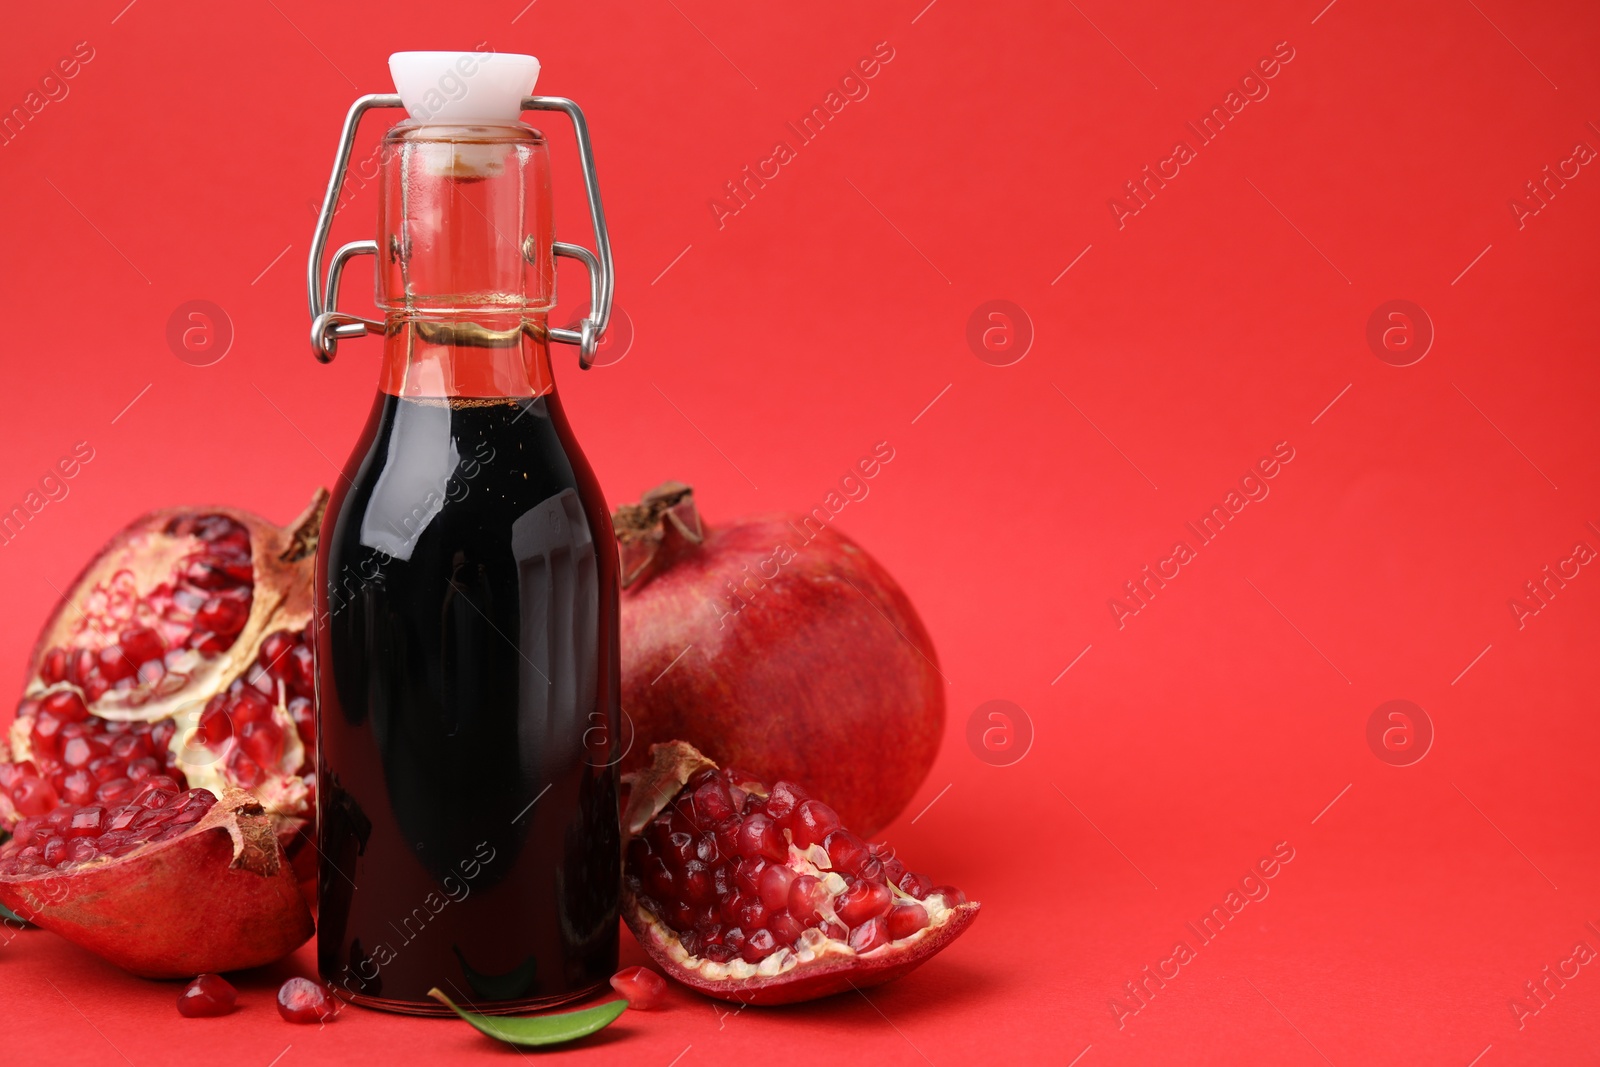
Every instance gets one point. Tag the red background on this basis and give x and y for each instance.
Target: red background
(824, 317)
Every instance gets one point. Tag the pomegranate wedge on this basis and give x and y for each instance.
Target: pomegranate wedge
(760, 896)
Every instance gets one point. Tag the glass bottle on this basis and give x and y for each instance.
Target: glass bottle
(467, 636)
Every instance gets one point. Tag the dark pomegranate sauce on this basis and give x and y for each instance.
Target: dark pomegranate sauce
(467, 648)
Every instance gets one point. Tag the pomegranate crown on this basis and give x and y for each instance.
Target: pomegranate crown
(652, 532)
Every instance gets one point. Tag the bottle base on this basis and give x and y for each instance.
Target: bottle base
(498, 1007)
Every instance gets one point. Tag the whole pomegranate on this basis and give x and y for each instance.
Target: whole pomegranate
(778, 645)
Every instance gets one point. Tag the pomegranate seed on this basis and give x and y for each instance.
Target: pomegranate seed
(65, 705)
(186, 601)
(847, 851)
(697, 884)
(78, 751)
(712, 803)
(244, 770)
(106, 768)
(835, 929)
(785, 928)
(812, 822)
(142, 645)
(300, 1000)
(274, 654)
(206, 996)
(80, 665)
(784, 799)
(304, 715)
(151, 671)
(79, 787)
(161, 735)
(760, 836)
(122, 817)
(263, 741)
(130, 746)
(305, 671)
(759, 946)
(116, 791)
(54, 851)
(747, 876)
(906, 919)
(871, 934)
(861, 901)
(249, 705)
(86, 822)
(153, 799)
(752, 915)
(643, 989)
(142, 768)
(46, 736)
(807, 895)
(774, 886)
(54, 668)
(223, 614)
(953, 897)
(680, 847)
(33, 796)
(115, 665)
(916, 885)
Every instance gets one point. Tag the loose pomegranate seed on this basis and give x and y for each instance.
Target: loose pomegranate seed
(300, 1000)
(643, 988)
(206, 996)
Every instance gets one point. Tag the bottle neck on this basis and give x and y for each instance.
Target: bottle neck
(460, 357)
(465, 276)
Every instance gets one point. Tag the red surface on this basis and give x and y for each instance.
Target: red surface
(1224, 317)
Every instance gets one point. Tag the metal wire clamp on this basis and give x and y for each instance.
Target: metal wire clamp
(329, 325)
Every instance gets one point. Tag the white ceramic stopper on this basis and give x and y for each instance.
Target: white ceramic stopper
(463, 88)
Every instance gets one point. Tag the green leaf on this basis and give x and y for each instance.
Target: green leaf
(538, 1030)
(7, 915)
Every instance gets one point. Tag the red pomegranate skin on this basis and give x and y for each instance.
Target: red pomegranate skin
(805, 662)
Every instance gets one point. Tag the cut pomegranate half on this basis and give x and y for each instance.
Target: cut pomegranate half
(169, 883)
(212, 699)
(760, 896)
(173, 608)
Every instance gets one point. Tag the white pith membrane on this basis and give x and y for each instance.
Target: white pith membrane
(813, 943)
